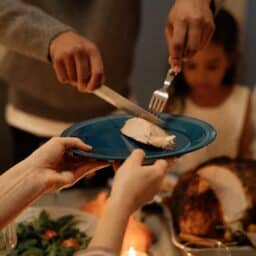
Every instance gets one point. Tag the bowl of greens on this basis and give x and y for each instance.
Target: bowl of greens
(52, 231)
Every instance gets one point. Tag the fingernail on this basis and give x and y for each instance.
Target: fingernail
(177, 69)
(89, 147)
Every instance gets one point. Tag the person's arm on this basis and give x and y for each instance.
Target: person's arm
(115, 218)
(48, 169)
(134, 185)
(189, 27)
(245, 150)
(27, 29)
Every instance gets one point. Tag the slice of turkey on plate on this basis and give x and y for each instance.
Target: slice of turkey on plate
(148, 133)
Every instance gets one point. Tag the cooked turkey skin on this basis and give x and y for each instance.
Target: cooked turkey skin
(206, 197)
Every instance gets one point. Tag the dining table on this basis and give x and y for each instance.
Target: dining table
(76, 197)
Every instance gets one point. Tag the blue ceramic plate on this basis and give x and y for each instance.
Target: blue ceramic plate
(108, 143)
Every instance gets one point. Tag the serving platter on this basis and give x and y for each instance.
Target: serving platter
(220, 249)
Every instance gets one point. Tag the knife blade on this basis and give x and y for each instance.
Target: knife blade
(120, 102)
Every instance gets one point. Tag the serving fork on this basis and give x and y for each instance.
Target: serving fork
(160, 96)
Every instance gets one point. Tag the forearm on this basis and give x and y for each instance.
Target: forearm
(207, 1)
(18, 190)
(111, 228)
(27, 29)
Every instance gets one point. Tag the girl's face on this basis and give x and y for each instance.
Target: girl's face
(205, 71)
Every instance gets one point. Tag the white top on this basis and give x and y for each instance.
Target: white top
(228, 120)
(39, 126)
(254, 122)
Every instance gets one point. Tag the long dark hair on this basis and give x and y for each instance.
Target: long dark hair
(226, 35)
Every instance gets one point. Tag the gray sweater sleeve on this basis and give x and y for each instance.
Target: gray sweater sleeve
(219, 4)
(27, 29)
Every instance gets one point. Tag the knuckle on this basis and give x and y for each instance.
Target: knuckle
(58, 61)
(68, 55)
(159, 168)
(177, 46)
(63, 56)
(78, 50)
(198, 20)
(208, 24)
(93, 50)
(183, 20)
(211, 26)
(194, 20)
(162, 165)
(98, 73)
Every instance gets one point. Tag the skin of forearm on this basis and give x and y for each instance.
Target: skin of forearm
(15, 171)
(14, 174)
(111, 228)
(17, 192)
(207, 1)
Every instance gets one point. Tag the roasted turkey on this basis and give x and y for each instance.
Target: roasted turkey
(216, 194)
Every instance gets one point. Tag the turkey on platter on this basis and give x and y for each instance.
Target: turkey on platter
(217, 193)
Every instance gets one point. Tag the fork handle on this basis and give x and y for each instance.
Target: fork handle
(169, 78)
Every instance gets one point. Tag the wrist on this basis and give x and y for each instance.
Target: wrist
(203, 1)
(120, 205)
(37, 180)
(19, 191)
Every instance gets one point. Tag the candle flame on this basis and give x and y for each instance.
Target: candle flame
(131, 252)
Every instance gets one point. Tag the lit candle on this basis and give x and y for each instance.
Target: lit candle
(133, 252)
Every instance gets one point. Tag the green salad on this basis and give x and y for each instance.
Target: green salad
(45, 236)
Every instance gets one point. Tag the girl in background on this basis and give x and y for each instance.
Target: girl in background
(207, 89)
